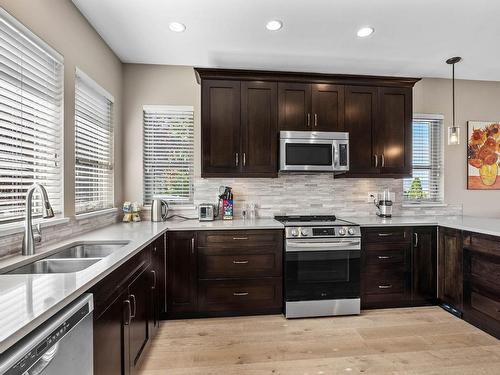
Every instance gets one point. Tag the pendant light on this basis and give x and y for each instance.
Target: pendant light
(454, 130)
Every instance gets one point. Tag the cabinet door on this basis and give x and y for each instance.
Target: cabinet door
(110, 334)
(220, 128)
(424, 264)
(327, 107)
(360, 121)
(394, 130)
(450, 267)
(139, 293)
(158, 282)
(182, 273)
(294, 103)
(259, 125)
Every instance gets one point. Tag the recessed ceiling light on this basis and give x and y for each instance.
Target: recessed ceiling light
(274, 25)
(365, 31)
(177, 27)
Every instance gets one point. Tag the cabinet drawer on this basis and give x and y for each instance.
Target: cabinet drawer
(224, 263)
(485, 305)
(258, 295)
(391, 234)
(385, 285)
(482, 243)
(240, 239)
(386, 257)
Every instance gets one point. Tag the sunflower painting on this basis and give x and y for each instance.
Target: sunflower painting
(483, 150)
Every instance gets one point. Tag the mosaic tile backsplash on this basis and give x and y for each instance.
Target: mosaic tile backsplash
(320, 193)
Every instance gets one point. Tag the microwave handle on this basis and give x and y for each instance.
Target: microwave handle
(336, 154)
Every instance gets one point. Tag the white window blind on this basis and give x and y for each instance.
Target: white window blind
(31, 97)
(93, 146)
(168, 153)
(426, 184)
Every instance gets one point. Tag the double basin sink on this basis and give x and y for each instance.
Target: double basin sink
(72, 258)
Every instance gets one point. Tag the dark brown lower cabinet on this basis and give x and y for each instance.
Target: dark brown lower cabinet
(424, 265)
(450, 268)
(125, 314)
(482, 282)
(220, 273)
(398, 267)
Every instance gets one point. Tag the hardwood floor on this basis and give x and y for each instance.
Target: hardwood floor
(423, 340)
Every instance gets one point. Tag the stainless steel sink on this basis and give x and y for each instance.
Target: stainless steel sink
(55, 266)
(88, 250)
(72, 258)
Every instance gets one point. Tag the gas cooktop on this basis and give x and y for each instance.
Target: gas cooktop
(311, 220)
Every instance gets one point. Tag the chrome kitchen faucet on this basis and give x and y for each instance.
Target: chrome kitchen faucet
(30, 238)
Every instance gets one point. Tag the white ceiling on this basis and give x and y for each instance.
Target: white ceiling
(412, 37)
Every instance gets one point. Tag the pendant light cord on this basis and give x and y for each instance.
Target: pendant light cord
(453, 94)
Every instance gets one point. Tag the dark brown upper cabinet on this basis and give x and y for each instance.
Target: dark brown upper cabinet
(239, 128)
(316, 107)
(394, 130)
(221, 130)
(259, 128)
(243, 112)
(360, 122)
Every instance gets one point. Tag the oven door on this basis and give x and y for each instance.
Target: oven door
(322, 269)
(312, 155)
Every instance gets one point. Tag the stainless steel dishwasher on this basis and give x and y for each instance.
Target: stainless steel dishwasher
(61, 345)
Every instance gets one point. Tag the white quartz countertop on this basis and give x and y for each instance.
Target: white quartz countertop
(476, 224)
(26, 301)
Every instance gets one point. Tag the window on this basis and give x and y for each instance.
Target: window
(31, 97)
(168, 153)
(93, 146)
(426, 185)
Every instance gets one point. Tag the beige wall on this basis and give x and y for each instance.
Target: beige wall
(153, 85)
(61, 25)
(475, 100)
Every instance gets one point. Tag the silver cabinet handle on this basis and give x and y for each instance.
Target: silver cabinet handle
(240, 261)
(236, 159)
(129, 315)
(192, 245)
(385, 234)
(240, 294)
(383, 160)
(244, 159)
(376, 160)
(308, 120)
(154, 279)
(240, 238)
(132, 297)
(416, 239)
(388, 286)
(384, 257)
(315, 120)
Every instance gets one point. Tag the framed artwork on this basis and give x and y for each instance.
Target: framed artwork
(483, 150)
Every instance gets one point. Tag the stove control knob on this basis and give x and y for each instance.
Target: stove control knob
(304, 232)
(342, 231)
(351, 231)
(295, 232)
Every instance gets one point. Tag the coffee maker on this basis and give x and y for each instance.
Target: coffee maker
(383, 202)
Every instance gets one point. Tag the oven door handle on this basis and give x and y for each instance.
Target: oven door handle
(331, 246)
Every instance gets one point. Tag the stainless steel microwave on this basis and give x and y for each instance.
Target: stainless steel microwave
(309, 151)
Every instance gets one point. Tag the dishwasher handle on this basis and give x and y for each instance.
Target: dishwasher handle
(44, 361)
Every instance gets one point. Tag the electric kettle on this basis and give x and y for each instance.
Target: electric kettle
(159, 210)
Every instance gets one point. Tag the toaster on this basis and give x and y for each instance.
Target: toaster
(206, 212)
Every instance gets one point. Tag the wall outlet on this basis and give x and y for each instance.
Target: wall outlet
(371, 196)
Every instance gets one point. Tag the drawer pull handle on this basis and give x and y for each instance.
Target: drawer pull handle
(240, 261)
(389, 286)
(384, 257)
(240, 294)
(385, 234)
(240, 238)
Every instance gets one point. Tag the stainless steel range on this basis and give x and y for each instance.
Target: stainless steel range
(322, 266)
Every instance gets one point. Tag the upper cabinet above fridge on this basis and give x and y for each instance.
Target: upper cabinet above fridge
(243, 111)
